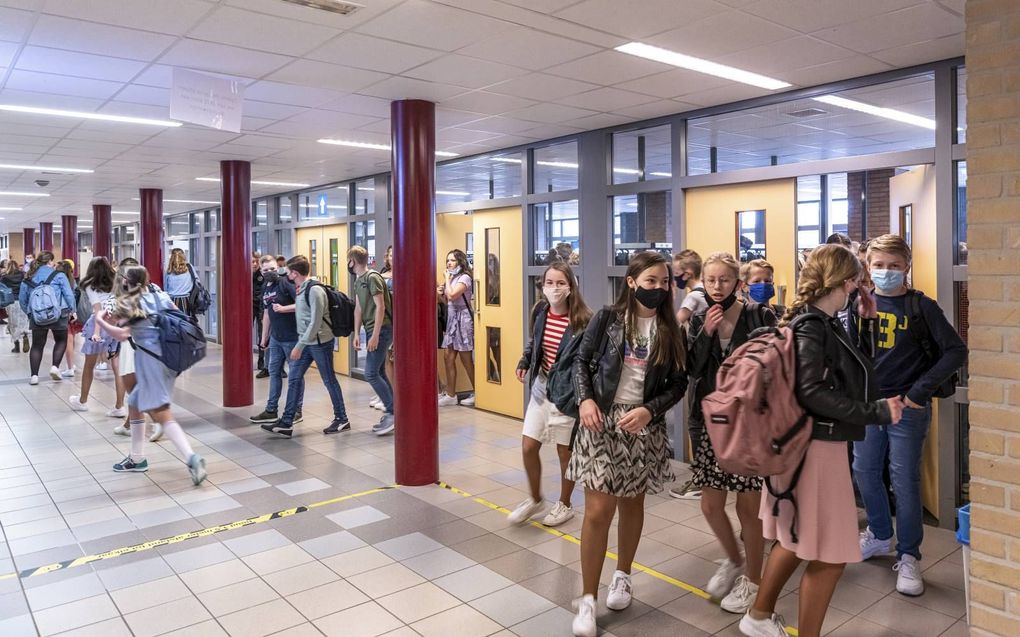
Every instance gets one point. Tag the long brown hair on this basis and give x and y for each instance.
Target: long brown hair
(131, 282)
(43, 258)
(178, 262)
(670, 348)
(100, 275)
(462, 261)
(829, 267)
(577, 309)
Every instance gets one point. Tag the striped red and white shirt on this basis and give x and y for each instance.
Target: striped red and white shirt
(555, 326)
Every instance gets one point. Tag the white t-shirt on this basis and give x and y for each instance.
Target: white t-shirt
(95, 296)
(631, 390)
(695, 300)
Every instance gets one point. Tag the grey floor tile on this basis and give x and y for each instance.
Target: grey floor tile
(521, 565)
(79, 587)
(260, 620)
(167, 617)
(512, 605)
(303, 486)
(258, 542)
(552, 623)
(190, 559)
(358, 516)
(472, 583)
(657, 623)
(438, 563)
(331, 544)
(75, 614)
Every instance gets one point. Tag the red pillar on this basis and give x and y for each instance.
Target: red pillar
(413, 132)
(152, 232)
(46, 236)
(29, 242)
(102, 231)
(236, 284)
(69, 242)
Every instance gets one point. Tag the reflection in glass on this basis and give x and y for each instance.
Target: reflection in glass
(961, 213)
(557, 233)
(640, 155)
(322, 203)
(283, 245)
(492, 287)
(313, 256)
(555, 168)
(493, 364)
(179, 225)
(642, 222)
(961, 105)
(750, 235)
(364, 198)
(469, 248)
(284, 215)
(196, 222)
(363, 234)
(334, 262)
(485, 177)
(213, 313)
(809, 211)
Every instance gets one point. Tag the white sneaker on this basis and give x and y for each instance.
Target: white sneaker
(559, 514)
(157, 432)
(469, 401)
(685, 491)
(741, 597)
(771, 627)
(725, 577)
(872, 546)
(446, 400)
(33, 380)
(117, 412)
(121, 430)
(584, 622)
(620, 591)
(68, 373)
(77, 405)
(908, 576)
(374, 403)
(524, 511)
(55, 373)
(102, 366)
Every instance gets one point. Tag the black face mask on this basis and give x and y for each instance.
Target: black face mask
(270, 277)
(350, 268)
(651, 298)
(726, 303)
(681, 281)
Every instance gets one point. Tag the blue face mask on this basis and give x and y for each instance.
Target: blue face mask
(888, 279)
(761, 292)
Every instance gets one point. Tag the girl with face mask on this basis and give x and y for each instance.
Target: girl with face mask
(713, 335)
(459, 340)
(560, 316)
(628, 372)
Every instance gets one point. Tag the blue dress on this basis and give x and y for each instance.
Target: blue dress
(155, 382)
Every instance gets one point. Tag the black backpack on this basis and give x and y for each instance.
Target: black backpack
(560, 388)
(919, 331)
(200, 300)
(339, 315)
(181, 340)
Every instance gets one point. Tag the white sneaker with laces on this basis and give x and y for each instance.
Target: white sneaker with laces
(584, 622)
(523, 512)
(77, 405)
(725, 577)
(872, 546)
(771, 627)
(469, 401)
(55, 373)
(68, 373)
(741, 597)
(34, 380)
(372, 403)
(559, 514)
(620, 591)
(102, 366)
(121, 430)
(908, 576)
(157, 432)
(446, 400)
(117, 412)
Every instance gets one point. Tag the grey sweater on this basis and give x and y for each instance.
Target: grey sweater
(311, 327)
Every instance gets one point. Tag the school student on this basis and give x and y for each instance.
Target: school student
(97, 288)
(42, 273)
(713, 335)
(179, 281)
(628, 373)
(837, 386)
(279, 336)
(687, 267)
(459, 340)
(74, 326)
(911, 369)
(17, 321)
(757, 282)
(372, 309)
(557, 319)
(133, 304)
(126, 367)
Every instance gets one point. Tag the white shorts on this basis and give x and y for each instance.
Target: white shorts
(542, 421)
(126, 364)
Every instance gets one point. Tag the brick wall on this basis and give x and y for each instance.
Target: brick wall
(993, 193)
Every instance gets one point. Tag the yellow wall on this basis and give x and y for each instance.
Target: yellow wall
(16, 246)
(712, 223)
(451, 230)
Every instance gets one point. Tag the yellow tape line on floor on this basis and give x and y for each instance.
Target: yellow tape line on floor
(690, 588)
(146, 546)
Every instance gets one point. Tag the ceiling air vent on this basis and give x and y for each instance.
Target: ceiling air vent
(806, 112)
(333, 6)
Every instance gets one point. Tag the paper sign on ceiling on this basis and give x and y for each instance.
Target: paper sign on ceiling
(206, 100)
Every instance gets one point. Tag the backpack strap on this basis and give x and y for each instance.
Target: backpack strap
(386, 294)
(917, 327)
(787, 495)
(50, 278)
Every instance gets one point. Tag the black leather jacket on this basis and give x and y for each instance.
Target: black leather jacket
(664, 386)
(836, 383)
(531, 360)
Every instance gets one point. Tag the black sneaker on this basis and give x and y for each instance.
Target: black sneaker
(298, 417)
(280, 428)
(336, 427)
(263, 373)
(265, 416)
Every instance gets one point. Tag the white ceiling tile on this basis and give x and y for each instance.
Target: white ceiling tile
(61, 84)
(331, 76)
(208, 56)
(83, 65)
(778, 58)
(446, 117)
(648, 111)
(266, 109)
(921, 52)
(360, 105)
(673, 83)
(242, 27)
(701, 38)
(14, 24)
(380, 126)
(608, 68)
(367, 11)
(433, 25)
(549, 113)
(148, 15)
(543, 6)
(724, 94)
(462, 136)
(400, 88)
(855, 66)
(529, 49)
(606, 99)
(601, 120)
(499, 124)
(7, 53)
(158, 75)
(159, 111)
(464, 71)
(488, 103)
(101, 39)
(139, 94)
(637, 19)
(374, 53)
(808, 16)
(276, 92)
(922, 22)
(538, 86)
(549, 131)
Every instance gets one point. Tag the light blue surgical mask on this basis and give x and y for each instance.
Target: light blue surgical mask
(888, 279)
(761, 292)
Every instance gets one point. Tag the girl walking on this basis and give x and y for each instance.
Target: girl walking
(836, 384)
(97, 288)
(126, 360)
(179, 281)
(74, 326)
(41, 272)
(557, 320)
(129, 321)
(629, 371)
(17, 320)
(459, 341)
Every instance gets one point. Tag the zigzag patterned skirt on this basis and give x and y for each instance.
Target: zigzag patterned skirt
(619, 463)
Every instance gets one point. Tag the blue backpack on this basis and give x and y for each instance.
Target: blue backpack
(181, 340)
(6, 295)
(44, 301)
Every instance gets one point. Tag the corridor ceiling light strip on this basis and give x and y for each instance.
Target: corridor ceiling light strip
(888, 113)
(661, 174)
(700, 65)
(9, 209)
(123, 212)
(370, 146)
(285, 184)
(56, 112)
(557, 164)
(453, 193)
(45, 168)
(181, 201)
(626, 171)
(23, 194)
(507, 160)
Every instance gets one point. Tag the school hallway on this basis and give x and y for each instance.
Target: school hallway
(363, 559)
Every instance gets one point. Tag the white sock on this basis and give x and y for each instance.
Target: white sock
(173, 431)
(137, 440)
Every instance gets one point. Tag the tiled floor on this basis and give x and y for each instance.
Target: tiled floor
(410, 561)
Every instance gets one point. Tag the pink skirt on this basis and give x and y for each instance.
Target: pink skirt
(826, 511)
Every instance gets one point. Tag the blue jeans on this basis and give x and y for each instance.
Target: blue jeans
(279, 355)
(322, 355)
(903, 442)
(375, 368)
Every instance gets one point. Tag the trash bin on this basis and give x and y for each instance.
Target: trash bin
(963, 537)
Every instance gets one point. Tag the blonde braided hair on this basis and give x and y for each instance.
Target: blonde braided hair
(829, 267)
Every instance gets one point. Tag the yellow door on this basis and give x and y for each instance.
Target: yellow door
(454, 231)
(499, 310)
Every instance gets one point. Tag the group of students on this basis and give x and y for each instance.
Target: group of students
(866, 373)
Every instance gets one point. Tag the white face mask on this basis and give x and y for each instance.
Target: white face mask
(555, 295)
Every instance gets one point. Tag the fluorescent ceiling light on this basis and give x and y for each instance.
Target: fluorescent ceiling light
(315, 206)
(370, 146)
(123, 212)
(888, 113)
(692, 63)
(661, 174)
(24, 194)
(507, 160)
(14, 108)
(180, 201)
(285, 184)
(453, 193)
(10, 209)
(556, 164)
(46, 168)
(626, 171)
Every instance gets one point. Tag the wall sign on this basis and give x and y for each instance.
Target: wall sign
(206, 100)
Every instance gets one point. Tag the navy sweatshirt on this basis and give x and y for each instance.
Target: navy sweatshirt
(900, 362)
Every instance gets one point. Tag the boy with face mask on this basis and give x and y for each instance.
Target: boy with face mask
(278, 335)
(758, 283)
(904, 369)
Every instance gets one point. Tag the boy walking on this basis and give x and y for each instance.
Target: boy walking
(372, 310)
(279, 336)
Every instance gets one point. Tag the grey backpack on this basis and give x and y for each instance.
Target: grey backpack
(44, 301)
